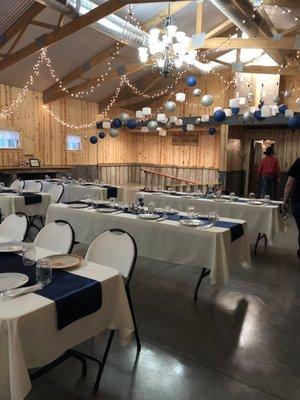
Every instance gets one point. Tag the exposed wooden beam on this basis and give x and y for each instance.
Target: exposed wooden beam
(43, 24)
(220, 29)
(17, 39)
(199, 18)
(287, 32)
(52, 37)
(60, 20)
(24, 19)
(283, 3)
(224, 43)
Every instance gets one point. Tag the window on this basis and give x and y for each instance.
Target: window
(9, 139)
(73, 142)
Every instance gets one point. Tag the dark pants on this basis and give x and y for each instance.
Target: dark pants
(296, 214)
(267, 185)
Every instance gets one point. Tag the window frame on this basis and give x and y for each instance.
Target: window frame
(74, 150)
(19, 147)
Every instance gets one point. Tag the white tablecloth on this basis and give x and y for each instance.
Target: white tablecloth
(166, 241)
(264, 219)
(29, 337)
(11, 203)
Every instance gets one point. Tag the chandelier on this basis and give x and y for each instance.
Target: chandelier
(168, 49)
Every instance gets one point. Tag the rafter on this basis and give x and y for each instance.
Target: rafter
(52, 37)
(16, 41)
(43, 24)
(224, 43)
(283, 3)
(220, 29)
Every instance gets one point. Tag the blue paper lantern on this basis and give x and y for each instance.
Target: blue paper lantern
(93, 139)
(219, 115)
(235, 110)
(257, 115)
(282, 108)
(116, 123)
(191, 80)
(131, 123)
(294, 122)
(212, 131)
(101, 135)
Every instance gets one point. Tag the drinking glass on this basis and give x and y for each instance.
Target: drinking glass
(28, 254)
(87, 198)
(251, 196)
(267, 199)
(151, 207)
(43, 272)
(1, 186)
(191, 212)
(167, 210)
(219, 194)
(112, 201)
(213, 216)
(231, 196)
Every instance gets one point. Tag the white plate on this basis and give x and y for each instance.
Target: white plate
(59, 261)
(78, 205)
(256, 203)
(172, 211)
(12, 280)
(149, 216)
(204, 216)
(11, 247)
(106, 210)
(191, 222)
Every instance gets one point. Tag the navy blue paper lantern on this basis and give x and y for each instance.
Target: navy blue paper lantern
(93, 139)
(219, 115)
(257, 115)
(212, 131)
(294, 122)
(116, 123)
(235, 110)
(101, 135)
(131, 123)
(191, 80)
(282, 108)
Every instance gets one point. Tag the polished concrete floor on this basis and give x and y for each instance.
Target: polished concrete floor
(239, 342)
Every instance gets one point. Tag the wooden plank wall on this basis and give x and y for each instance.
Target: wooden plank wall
(291, 83)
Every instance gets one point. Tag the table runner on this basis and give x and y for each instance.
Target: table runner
(29, 198)
(74, 296)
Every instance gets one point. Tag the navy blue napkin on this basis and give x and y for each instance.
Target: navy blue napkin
(31, 198)
(112, 191)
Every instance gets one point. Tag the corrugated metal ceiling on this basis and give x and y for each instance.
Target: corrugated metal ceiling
(11, 10)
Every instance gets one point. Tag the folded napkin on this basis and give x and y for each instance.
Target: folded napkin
(74, 296)
(31, 198)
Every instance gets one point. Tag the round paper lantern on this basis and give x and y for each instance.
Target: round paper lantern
(93, 139)
(212, 131)
(170, 106)
(152, 125)
(101, 135)
(168, 124)
(124, 117)
(113, 132)
(235, 110)
(248, 117)
(276, 100)
(191, 80)
(294, 122)
(249, 96)
(298, 101)
(197, 92)
(257, 115)
(197, 121)
(131, 123)
(207, 100)
(116, 123)
(287, 94)
(282, 108)
(219, 115)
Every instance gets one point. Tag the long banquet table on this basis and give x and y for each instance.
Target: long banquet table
(12, 203)
(166, 240)
(29, 337)
(260, 218)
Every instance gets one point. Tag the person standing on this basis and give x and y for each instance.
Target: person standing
(268, 172)
(292, 191)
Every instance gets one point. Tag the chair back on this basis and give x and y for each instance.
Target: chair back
(33, 186)
(114, 248)
(16, 184)
(56, 192)
(56, 236)
(14, 226)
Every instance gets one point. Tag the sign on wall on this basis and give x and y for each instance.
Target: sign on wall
(185, 140)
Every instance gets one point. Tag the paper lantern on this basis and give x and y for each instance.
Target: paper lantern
(152, 125)
(145, 129)
(235, 110)
(170, 106)
(139, 114)
(282, 108)
(161, 118)
(249, 96)
(217, 108)
(106, 124)
(173, 119)
(248, 117)
(204, 118)
(178, 122)
(197, 92)
(294, 122)
(162, 132)
(219, 116)
(298, 101)
(265, 111)
(274, 110)
(228, 112)
(146, 110)
(190, 127)
(289, 113)
(113, 132)
(101, 135)
(191, 80)
(93, 139)
(180, 97)
(131, 123)
(212, 131)
(197, 121)
(242, 101)
(287, 94)
(234, 103)
(116, 123)
(207, 100)
(124, 117)
(257, 115)
(168, 124)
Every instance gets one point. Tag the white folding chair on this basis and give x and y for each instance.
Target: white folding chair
(56, 236)
(33, 186)
(14, 226)
(16, 184)
(56, 192)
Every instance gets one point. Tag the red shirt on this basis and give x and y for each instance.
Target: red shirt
(268, 166)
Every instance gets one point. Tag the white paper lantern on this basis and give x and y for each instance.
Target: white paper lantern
(287, 94)
(249, 96)
(274, 110)
(197, 121)
(161, 118)
(298, 101)
(197, 92)
(113, 132)
(124, 117)
(145, 129)
(207, 100)
(152, 125)
(162, 132)
(248, 116)
(265, 111)
(170, 106)
(289, 113)
(190, 127)
(234, 103)
(178, 122)
(217, 109)
(139, 114)
(146, 110)
(228, 112)
(242, 101)
(106, 124)
(168, 124)
(204, 118)
(180, 97)
(173, 119)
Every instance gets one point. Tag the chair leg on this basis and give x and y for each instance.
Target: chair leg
(260, 236)
(136, 333)
(80, 358)
(205, 272)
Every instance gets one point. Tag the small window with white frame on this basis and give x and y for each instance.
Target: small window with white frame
(9, 139)
(73, 142)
